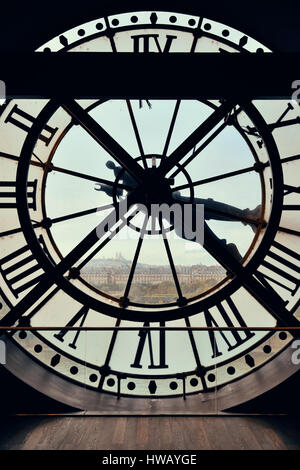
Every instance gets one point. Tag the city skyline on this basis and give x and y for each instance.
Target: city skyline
(94, 264)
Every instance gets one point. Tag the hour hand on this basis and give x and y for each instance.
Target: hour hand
(220, 211)
(109, 190)
(125, 178)
(215, 210)
(252, 215)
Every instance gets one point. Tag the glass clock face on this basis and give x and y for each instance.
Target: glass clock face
(67, 168)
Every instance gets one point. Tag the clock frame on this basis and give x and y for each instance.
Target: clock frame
(94, 385)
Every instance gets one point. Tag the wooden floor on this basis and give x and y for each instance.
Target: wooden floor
(150, 433)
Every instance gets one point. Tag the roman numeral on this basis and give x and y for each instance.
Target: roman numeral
(80, 316)
(289, 280)
(141, 43)
(277, 124)
(291, 190)
(24, 121)
(289, 231)
(144, 336)
(8, 193)
(288, 122)
(17, 270)
(233, 339)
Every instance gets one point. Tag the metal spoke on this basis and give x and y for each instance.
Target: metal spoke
(190, 142)
(43, 302)
(11, 232)
(134, 262)
(268, 298)
(199, 149)
(51, 167)
(74, 215)
(216, 178)
(229, 257)
(104, 139)
(174, 117)
(171, 262)
(89, 177)
(84, 246)
(109, 354)
(59, 219)
(136, 132)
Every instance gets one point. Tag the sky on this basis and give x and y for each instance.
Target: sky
(79, 152)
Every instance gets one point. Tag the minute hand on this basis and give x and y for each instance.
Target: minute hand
(220, 211)
(201, 131)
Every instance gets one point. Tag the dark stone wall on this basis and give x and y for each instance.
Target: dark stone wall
(25, 26)
(18, 397)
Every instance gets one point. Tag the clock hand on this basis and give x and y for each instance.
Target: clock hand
(220, 211)
(104, 139)
(81, 175)
(231, 247)
(205, 127)
(126, 177)
(129, 182)
(213, 209)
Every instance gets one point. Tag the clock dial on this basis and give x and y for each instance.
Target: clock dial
(71, 258)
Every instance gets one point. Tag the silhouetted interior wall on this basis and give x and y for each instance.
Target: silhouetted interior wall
(17, 397)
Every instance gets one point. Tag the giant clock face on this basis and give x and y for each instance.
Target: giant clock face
(65, 170)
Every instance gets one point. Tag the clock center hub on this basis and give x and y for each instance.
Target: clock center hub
(155, 188)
